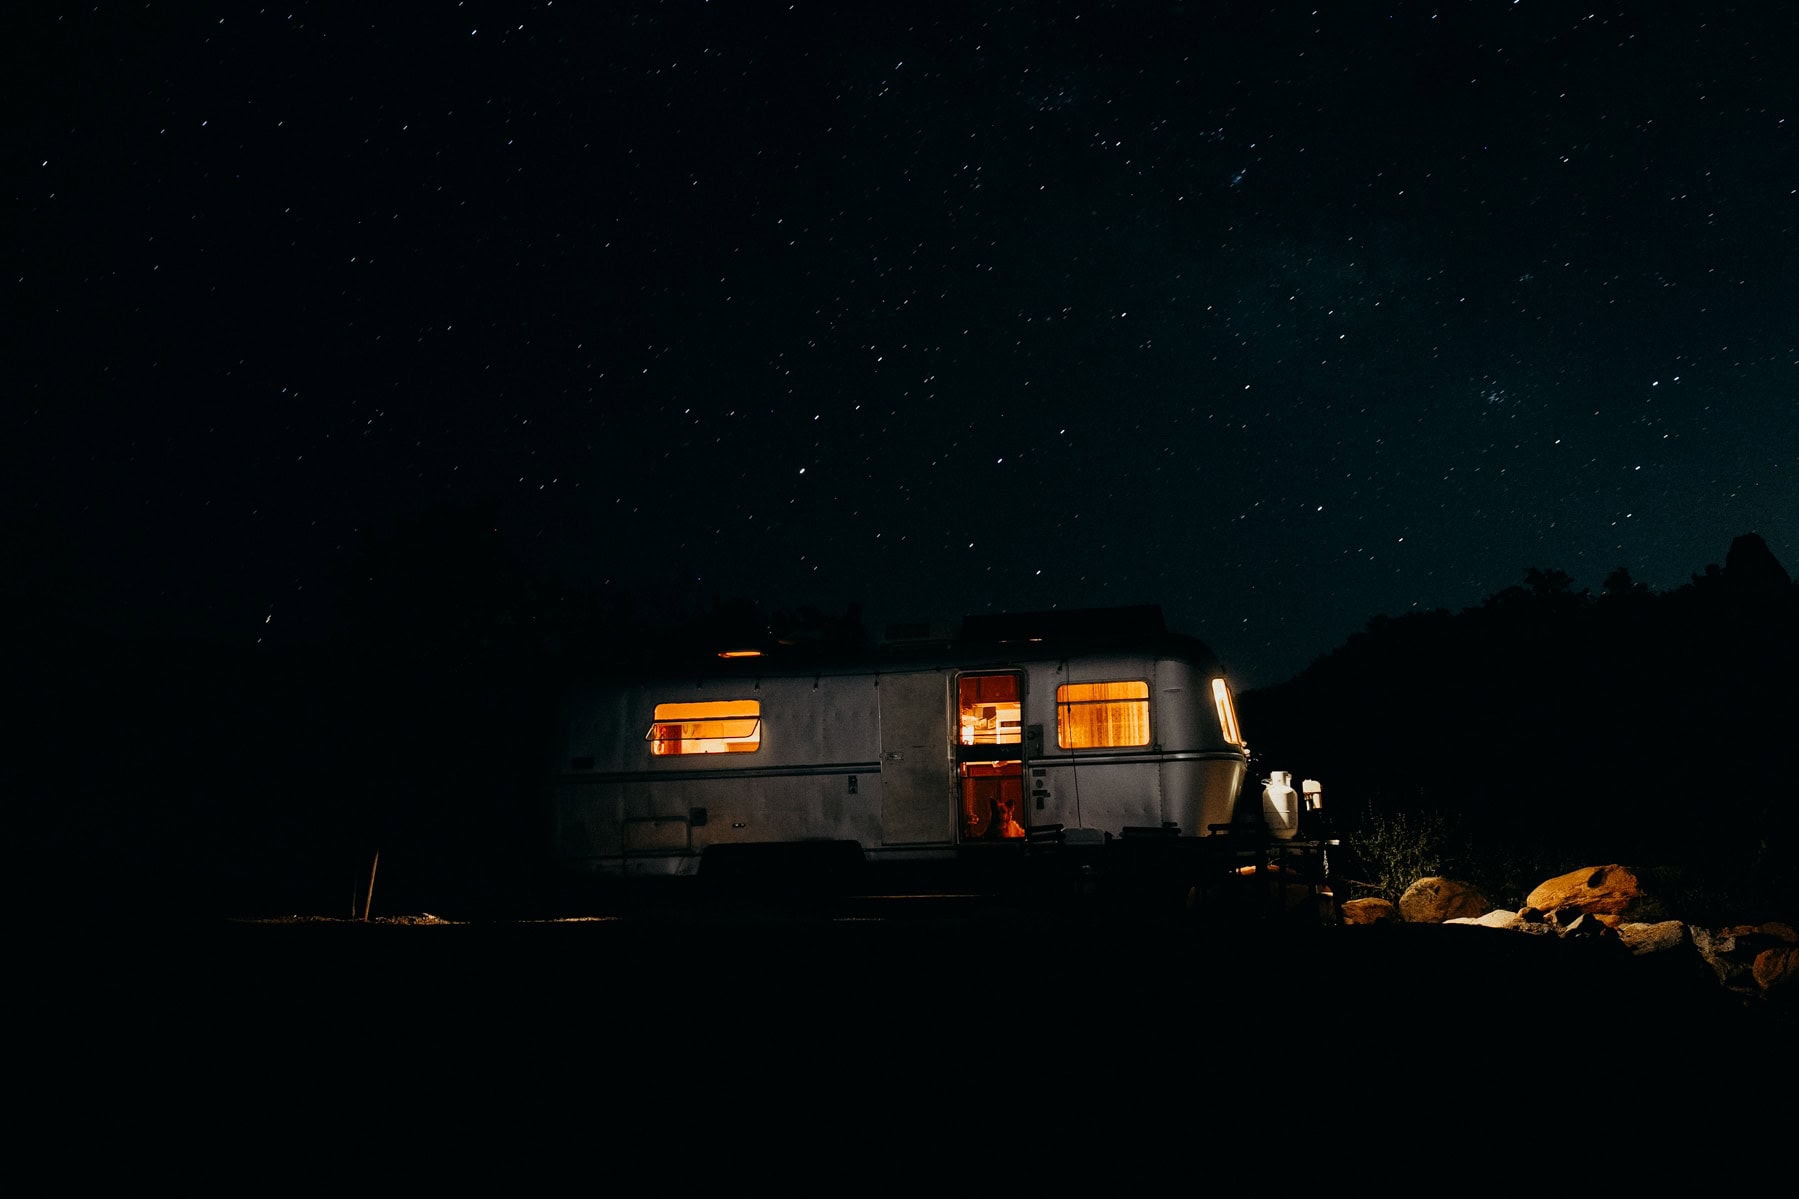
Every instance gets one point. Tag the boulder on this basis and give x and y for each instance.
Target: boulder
(1368, 911)
(1754, 959)
(1434, 900)
(1774, 971)
(1581, 924)
(1642, 939)
(1497, 918)
(1733, 964)
(1671, 962)
(1510, 921)
(1612, 894)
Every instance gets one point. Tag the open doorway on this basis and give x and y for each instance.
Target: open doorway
(990, 755)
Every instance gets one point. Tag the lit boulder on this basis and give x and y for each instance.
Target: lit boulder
(1612, 894)
(1368, 911)
(1510, 921)
(1658, 937)
(1434, 900)
(1774, 971)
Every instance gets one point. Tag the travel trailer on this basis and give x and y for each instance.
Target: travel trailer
(1006, 734)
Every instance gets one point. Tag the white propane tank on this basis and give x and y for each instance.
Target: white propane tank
(1280, 805)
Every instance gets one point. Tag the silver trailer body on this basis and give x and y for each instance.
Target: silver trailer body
(1079, 727)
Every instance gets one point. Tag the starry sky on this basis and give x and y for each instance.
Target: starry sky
(1277, 315)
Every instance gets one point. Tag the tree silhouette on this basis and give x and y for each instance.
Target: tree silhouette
(1633, 725)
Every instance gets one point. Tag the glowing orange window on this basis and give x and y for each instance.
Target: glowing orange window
(1095, 715)
(989, 710)
(726, 726)
(1227, 712)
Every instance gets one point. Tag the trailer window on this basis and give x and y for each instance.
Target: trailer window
(1227, 712)
(989, 709)
(729, 726)
(1095, 715)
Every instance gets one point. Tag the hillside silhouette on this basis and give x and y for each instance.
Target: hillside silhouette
(1635, 725)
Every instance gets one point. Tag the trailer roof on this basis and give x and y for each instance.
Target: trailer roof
(987, 639)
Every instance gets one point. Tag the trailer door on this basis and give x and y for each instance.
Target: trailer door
(990, 755)
(916, 775)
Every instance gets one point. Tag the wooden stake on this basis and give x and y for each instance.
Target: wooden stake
(370, 901)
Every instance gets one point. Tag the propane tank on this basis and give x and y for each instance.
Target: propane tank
(1280, 805)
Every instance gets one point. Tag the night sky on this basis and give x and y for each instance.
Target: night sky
(1278, 316)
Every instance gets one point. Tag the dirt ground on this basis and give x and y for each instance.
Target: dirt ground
(422, 1031)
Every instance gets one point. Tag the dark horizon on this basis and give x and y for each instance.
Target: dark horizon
(448, 569)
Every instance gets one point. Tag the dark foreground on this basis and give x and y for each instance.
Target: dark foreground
(695, 1006)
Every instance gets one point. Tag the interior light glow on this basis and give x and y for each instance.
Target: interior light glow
(989, 709)
(1227, 711)
(730, 726)
(1095, 715)
(992, 799)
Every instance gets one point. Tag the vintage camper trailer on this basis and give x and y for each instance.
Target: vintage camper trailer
(1064, 728)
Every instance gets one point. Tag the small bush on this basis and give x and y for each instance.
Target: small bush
(1389, 853)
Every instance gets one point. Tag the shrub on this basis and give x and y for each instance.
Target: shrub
(1388, 853)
